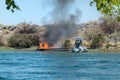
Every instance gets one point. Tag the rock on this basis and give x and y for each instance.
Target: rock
(112, 48)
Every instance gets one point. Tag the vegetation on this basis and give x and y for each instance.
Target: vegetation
(109, 25)
(97, 35)
(67, 44)
(108, 32)
(3, 48)
(25, 28)
(1, 41)
(97, 41)
(11, 5)
(23, 40)
(25, 36)
(108, 7)
(102, 34)
(94, 36)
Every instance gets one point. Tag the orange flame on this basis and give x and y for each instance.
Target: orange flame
(43, 45)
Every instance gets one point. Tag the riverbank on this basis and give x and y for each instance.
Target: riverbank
(3, 48)
(104, 50)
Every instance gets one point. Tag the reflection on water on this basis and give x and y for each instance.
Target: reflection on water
(59, 66)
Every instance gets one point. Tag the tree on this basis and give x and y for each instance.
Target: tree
(108, 7)
(109, 25)
(25, 28)
(97, 41)
(11, 5)
(67, 44)
(23, 40)
(94, 36)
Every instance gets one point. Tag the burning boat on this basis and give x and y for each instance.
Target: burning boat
(43, 46)
(78, 47)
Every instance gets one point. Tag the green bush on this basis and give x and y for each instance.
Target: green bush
(67, 44)
(108, 45)
(35, 39)
(23, 40)
(97, 41)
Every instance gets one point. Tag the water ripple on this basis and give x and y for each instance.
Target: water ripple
(59, 66)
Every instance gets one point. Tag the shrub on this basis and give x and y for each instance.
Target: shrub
(67, 44)
(109, 25)
(23, 40)
(35, 39)
(1, 41)
(97, 41)
(25, 28)
(94, 36)
(108, 45)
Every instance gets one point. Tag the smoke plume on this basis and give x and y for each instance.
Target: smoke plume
(64, 21)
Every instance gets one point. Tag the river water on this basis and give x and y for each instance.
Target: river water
(15, 65)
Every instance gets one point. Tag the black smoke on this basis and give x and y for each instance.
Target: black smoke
(64, 22)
